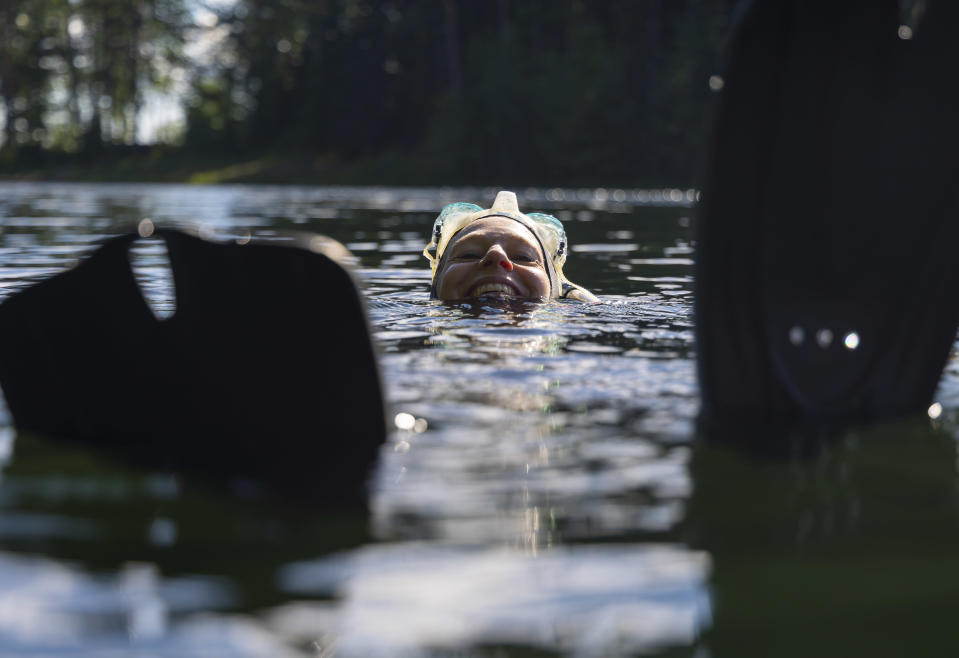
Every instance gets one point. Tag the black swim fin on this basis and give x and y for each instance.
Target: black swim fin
(265, 372)
(827, 287)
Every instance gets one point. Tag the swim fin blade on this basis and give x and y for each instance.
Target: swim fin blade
(827, 288)
(265, 373)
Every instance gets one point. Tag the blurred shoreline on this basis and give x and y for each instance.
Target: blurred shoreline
(163, 164)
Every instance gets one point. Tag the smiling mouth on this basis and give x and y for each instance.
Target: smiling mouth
(493, 289)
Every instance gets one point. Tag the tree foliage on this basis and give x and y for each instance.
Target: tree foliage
(456, 90)
(74, 72)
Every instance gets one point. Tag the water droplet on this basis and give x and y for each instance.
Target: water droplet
(935, 410)
(146, 227)
(905, 32)
(824, 338)
(404, 421)
(716, 82)
(797, 335)
(851, 340)
(162, 532)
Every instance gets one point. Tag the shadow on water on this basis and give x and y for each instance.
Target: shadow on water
(119, 514)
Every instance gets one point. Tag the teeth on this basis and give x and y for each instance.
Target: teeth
(493, 287)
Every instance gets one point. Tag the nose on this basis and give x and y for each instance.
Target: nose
(497, 256)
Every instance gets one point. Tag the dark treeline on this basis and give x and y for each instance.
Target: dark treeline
(547, 91)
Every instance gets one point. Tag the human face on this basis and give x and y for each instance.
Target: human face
(494, 256)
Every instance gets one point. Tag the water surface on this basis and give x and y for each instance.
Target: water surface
(542, 490)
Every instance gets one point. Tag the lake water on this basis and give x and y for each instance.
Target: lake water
(542, 492)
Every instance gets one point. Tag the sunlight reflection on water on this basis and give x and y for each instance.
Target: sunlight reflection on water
(531, 427)
(591, 600)
(530, 494)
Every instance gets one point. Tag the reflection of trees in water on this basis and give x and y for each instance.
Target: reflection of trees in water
(850, 550)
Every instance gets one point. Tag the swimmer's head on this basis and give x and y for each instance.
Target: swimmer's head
(498, 252)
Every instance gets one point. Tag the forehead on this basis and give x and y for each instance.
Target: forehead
(498, 228)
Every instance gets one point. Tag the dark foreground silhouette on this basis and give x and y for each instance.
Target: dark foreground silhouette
(265, 375)
(827, 288)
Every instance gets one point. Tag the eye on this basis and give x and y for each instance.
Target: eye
(467, 255)
(523, 257)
